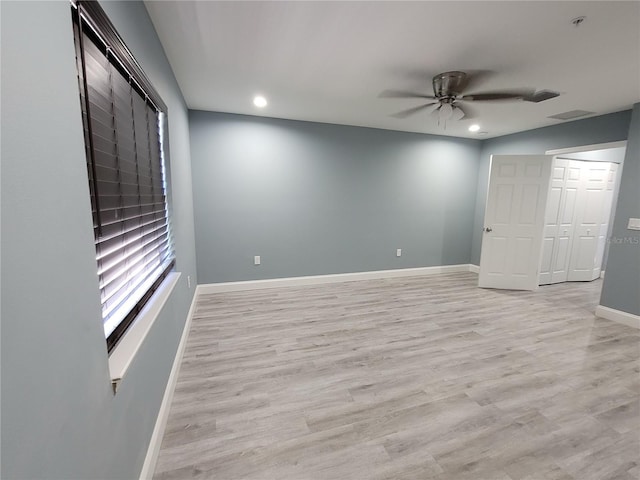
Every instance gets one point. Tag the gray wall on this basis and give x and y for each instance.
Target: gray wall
(603, 129)
(318, 199)
(621, 289)
(59, 416)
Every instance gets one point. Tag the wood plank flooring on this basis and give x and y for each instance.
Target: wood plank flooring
(409, 378)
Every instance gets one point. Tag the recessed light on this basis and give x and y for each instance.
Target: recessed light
(474, 128)
(260, 101)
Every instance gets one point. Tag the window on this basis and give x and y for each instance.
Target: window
(124, 120)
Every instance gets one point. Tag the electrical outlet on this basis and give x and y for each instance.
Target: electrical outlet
(256, 260)
(398, 252)
(189, 281)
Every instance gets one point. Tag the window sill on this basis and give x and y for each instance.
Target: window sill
(125, 351)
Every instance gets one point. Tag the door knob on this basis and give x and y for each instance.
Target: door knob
(488, 229)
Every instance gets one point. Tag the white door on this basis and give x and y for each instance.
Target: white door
(595, 197)
(514, 220)
(559, 221)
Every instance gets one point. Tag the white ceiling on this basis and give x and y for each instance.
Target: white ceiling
(329, 61)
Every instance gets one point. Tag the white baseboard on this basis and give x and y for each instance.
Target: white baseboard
(474, 268)
(149, 466)
(333, 278)
(618, 316)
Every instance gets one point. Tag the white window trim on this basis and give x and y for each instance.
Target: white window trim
(125, 351)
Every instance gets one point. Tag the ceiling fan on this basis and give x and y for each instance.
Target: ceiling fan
(449, 91)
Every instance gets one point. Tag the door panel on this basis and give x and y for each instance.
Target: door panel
(528, 205)
(562, 258)
(574, 171)
(584, 253)
(558, 222)
(553, 206)
(497, 248)
(546, 264)
(594, 200)
(592, 212)
(568, 209)
(514, 221)
(502, 206)
(523, 251)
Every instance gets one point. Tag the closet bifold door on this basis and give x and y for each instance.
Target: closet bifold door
(595, 199)
(559, 218)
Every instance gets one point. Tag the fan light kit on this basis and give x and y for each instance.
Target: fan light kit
(260, 101)
(449, 91)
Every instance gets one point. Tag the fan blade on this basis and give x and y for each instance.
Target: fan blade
(412, 111)
(492, 96)
(541, 96)
(403, 94)
(435, 106)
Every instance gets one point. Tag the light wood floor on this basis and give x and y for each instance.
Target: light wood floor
(410, 378)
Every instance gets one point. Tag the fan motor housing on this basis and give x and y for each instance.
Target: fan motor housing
(449, 84)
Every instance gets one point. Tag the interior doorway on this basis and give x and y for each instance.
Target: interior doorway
(517, 223)
(580, 211)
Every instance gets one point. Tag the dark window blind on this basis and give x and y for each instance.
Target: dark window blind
(123, 127)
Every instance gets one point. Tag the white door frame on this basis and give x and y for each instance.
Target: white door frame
(588, 148)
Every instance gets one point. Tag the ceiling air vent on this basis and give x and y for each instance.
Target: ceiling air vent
(571, 115)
